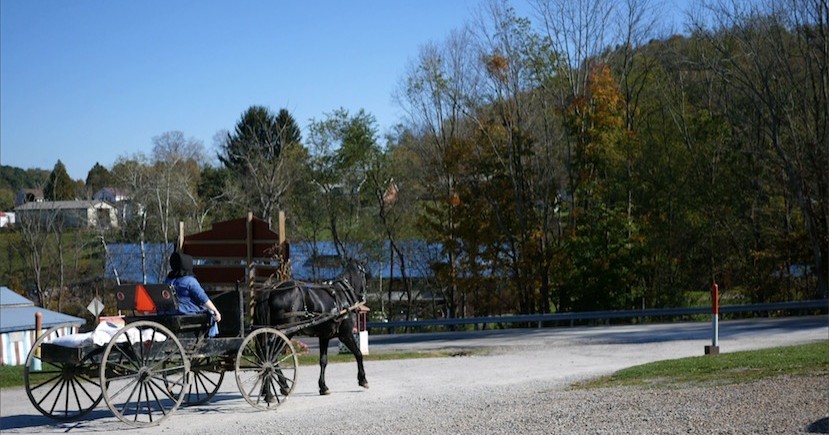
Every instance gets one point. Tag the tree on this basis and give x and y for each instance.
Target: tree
(173, 180)
(256, 154)
(98, 178)
(437, 93)
(342, 147)
(59, 187)
(773, 57)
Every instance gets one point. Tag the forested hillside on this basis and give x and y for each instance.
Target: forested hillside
(559, 164)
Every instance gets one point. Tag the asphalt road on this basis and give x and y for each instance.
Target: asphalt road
(551, 358)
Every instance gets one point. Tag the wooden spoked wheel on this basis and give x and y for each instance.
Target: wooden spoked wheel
(207, 376)
(62, 388)
(144, 374)
(266, 368)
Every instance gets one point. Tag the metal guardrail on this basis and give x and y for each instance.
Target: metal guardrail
(601, 315)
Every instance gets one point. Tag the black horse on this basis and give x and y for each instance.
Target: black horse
(292, 303)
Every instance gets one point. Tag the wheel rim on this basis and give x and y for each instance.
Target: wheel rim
(207, 377)
(144, 374)
(61, 390)
(266, 368)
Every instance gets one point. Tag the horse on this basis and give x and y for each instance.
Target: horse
(294, 302)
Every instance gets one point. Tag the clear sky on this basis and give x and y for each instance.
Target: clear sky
(86, 81)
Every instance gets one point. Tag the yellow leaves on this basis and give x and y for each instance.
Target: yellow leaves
(607, 103)
(498, 67)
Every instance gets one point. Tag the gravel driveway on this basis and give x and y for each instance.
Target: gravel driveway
(521, 386)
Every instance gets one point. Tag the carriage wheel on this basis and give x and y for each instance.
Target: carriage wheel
(63, 390)
(207, 375)
(144, 374)
(266, 368)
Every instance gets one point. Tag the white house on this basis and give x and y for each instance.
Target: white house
(112, 195)
(72, 214)
(125, 207)
(6, 219)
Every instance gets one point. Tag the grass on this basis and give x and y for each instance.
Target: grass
(11, 376)
(723, 369)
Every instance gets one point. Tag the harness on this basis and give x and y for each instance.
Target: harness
(334, 288)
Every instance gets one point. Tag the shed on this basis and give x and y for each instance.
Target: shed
(17, 325)
(72, 214)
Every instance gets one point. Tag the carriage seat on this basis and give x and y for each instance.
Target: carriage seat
(158, 303)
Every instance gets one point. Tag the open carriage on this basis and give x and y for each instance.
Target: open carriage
(155, 363)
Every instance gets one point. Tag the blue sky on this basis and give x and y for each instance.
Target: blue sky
(88, 81)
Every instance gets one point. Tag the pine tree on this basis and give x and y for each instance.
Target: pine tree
(60, 186)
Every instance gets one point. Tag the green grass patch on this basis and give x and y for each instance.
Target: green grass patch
(723, 369)
(11, 376)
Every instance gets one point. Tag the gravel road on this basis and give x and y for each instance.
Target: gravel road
(520, 386)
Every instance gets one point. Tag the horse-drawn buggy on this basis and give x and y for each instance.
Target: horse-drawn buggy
(156, 362)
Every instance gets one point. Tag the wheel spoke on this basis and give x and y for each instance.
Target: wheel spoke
(180, 383)
(80, 385)
(61, 390)
(262, 363)
(74, 383)
(170, 369)
(129, 398)
(57, 398)
(50, 380)
(160, 365)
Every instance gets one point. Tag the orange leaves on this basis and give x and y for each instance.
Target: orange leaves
(607, 103)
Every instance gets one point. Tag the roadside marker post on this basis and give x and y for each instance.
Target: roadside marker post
(714, 348)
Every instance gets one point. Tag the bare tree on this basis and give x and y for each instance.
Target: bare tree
(439, 93)
(35, 228)
(173, 182)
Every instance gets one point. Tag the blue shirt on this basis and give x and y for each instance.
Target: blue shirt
(191, 298)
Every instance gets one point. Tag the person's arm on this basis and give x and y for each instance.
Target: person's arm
(215, 311)
(197, 289)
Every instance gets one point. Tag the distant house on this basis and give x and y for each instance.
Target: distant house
(121, 199)
(6, 219)
(112, 195)
(17, 326)
(28, 195)
(73, 214)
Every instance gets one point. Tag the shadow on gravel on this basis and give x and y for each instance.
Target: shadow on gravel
(820, 426)
(34, 420)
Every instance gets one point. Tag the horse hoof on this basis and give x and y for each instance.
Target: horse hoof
(325, 392)
(364, 384)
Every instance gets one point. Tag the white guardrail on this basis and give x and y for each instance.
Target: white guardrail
(820, 304)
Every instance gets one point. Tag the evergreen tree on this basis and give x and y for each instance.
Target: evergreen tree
(60, 186)
(254, 155)
(98, 178)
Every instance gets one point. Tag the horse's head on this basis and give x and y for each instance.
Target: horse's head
(357, 275)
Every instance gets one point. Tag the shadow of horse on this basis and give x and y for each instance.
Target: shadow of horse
(290, 304)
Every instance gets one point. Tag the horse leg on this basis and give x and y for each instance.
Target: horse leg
(348, 340)
(323, 362)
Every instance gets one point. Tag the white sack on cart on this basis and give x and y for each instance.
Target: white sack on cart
(102, 335)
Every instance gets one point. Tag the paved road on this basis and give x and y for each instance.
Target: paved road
(550, 359)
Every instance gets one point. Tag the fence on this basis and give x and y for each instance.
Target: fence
(572, 318)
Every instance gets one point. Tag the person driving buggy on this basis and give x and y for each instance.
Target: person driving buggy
(192, 299)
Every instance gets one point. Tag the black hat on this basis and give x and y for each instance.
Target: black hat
(180, 265)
